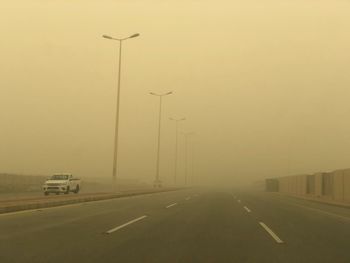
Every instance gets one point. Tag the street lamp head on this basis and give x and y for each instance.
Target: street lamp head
(162, 94)
(134, 35)
(106, 36)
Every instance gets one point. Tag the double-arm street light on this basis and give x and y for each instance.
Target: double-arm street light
(157, 182)
(115, 157)
(176, 144)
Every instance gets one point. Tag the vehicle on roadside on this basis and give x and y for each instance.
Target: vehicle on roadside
(62, 183)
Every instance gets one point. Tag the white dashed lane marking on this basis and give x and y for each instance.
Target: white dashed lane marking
(247, 209)
(274, 236)
(126, 224)
(171, 205)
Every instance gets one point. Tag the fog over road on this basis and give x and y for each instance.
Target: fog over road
(184, 226)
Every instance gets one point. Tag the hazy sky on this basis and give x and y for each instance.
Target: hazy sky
(264, 84)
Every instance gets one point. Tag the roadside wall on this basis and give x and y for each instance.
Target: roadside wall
(330, 186)
(295, 184)
(347, 185)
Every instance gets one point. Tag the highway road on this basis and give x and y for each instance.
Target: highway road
(185, 226)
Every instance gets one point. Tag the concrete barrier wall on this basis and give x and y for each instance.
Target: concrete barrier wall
(293, 184)
(310, 184)
(332, 186)
(302, 184)
(318, 184)
(347, 185)
(338, 185)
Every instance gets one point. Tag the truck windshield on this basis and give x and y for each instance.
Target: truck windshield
(59, 177)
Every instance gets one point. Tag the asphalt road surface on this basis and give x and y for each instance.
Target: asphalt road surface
(183, 226)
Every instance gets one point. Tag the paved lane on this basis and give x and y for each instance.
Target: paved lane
(183, 226)
(314, 232)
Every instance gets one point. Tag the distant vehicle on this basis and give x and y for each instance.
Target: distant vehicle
(62, 183)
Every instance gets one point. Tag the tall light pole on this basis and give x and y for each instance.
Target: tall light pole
(192, 163)
(176, 144)
(116, 131)
(187, 134)
(157, 182)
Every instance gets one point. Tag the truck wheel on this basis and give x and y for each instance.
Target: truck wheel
(67, 192)
(77, 189)
(46, 193)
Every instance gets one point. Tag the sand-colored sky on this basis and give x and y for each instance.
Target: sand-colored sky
(264, 84)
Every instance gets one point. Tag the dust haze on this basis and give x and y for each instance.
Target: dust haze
(264, 85)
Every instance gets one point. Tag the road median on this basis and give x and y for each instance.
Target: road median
(15, 205)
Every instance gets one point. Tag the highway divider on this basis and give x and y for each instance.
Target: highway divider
(8, 206)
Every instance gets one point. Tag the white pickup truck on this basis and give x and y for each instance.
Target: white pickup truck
(62, 183)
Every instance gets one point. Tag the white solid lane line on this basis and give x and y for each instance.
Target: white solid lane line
(274, 236)
(171, 205)
(39, 209)
(247, 209)
(19, 212)
(124, 225)
(322, 212)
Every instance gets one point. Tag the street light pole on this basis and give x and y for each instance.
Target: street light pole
(186, 158)
(116, 131)
(192, 163)
(176, 145)
(157, 182)
(187, 134)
